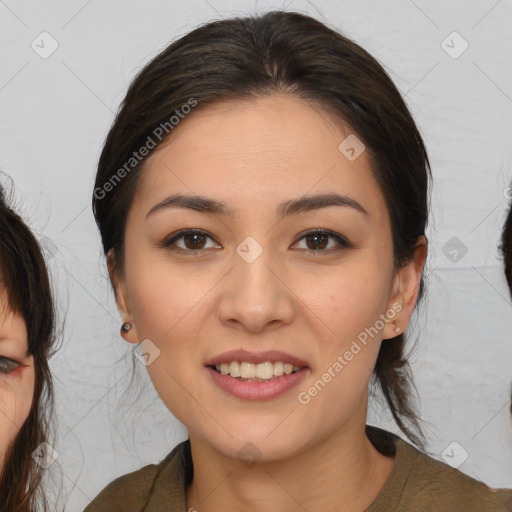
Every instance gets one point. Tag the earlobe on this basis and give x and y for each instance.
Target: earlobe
(394, 321)
(406, 290)
(129, 333)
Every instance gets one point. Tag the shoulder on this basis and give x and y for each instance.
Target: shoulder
(163, 483)
(432, 485)
(421, 483)
(128, 493)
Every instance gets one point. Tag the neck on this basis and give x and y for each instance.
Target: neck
(342, 473)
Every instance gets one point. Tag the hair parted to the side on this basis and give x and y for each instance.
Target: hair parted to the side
(255, 56)
(24, 280)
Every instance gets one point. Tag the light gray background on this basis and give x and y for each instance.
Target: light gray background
(55, 113)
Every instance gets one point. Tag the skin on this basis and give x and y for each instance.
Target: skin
(16, 379)
(311, 304)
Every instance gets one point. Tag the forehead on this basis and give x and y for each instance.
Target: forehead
(272, 129)
(12, 324)
(270, 148)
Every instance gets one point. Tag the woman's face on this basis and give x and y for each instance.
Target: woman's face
(16, 376)
(263, 282)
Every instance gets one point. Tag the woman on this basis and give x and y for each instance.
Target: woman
(26, 339)
(262, 202)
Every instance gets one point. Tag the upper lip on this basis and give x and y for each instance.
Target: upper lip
(255, 357)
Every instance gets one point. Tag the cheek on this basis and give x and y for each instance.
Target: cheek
(347, 301)
(347, 355)
(163, 296)
(347, 325)
(170, 307)
(16, 392)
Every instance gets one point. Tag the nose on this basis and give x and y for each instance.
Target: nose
(255, 296)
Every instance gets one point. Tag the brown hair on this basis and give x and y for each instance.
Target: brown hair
(24, 278)
(506, 251)
(506, 248)
(250, 57)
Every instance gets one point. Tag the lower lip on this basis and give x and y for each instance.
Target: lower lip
(257, 390)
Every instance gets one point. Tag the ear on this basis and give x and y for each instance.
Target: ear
(122, 298)
(406, 287)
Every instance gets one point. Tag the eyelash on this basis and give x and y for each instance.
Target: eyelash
(169, 242)
(8, 365)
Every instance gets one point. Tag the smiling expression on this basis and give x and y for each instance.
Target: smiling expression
(289, 249)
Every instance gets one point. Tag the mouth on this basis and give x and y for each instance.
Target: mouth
(256, 376)
(261, 372)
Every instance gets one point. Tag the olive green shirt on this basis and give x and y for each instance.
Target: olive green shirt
(417, 483)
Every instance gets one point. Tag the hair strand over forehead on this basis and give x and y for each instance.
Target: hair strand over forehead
(26, 287)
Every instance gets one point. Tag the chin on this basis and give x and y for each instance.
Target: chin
(259, 443)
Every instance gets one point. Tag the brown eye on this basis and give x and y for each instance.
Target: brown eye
(318, 241)
(191, 241)
(194, 241)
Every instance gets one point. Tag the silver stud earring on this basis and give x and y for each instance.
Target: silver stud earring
(126, 327)
(397, 329)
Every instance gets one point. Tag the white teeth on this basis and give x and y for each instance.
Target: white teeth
(278, 369)
(247, 370)
(264, 371)
(234, 369)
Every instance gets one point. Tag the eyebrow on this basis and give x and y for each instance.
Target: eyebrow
(292, 207)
